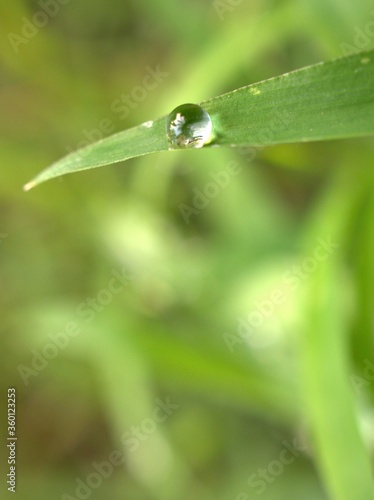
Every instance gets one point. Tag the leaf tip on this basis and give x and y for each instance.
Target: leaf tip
(29, 185)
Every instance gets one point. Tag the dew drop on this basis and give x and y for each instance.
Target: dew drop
(148, 124)
(188, 126)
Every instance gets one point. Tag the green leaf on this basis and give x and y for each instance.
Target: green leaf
(325, 101)
(331, 407)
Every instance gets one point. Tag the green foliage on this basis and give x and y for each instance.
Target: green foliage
(218, 301)
(325, 101)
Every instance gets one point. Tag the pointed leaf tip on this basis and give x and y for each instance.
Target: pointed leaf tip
(29, 186)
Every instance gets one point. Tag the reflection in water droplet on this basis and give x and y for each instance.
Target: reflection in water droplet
(188, 126)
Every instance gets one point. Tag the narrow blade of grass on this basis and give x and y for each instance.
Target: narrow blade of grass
(341, 454)
(343, 461)
(144, 139)
(326, 101)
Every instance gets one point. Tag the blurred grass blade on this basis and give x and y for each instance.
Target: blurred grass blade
(341, 453)
(326, 101)
(331, 407)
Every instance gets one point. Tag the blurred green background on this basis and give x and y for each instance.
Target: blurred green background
(157, 357)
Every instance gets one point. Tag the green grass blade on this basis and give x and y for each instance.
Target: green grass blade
(326, 101)
(342, 456)
(130, 143)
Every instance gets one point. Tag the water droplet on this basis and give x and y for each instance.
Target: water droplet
(148, 124)
(188, 126)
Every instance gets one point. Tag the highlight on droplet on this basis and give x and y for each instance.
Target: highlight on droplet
(188, 126)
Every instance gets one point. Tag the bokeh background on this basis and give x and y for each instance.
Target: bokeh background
(143, 344)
